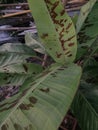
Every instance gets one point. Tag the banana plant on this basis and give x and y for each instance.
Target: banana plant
(85, 106)
(44, 96)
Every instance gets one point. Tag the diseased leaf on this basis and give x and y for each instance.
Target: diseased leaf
(16, 48)
(64, 27)
(22, 68)
(7, 79)
(46, 30)
(14, 58)
(14, 53)
(41, 103)
(55, 29)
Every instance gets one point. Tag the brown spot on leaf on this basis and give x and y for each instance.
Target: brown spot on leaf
(57, 29)
(70, 38)
(54, 14)
(65, 20)
(61, 23)
(63, 46)
(61, 34)
(58, 54)
(33, 100)
(48, 1)
(67, 52)
(11, 105)
(46, 90)
(62, 12)
(7, 108)
(69, 25)
(71, 44)
(69, 55)
(53, 9)
(25, 106)
(44, 35)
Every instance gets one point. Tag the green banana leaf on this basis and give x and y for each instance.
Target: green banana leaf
(14, 67)
(41, 102)
(33, 43)
(88, 27)
(16, 48)
(27, 68)
(14, 53)
(85, 107)
(7, 79)
(85, 10)
(13, 59)
(55, 29)
(65, 29)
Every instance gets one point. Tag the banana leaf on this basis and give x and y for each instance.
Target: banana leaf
(26, 68)
(41, 102)
(55, 29)
(87, 27)
(84, 12)
(14, 53)
(14, 66)
(33, 43)
(14, 58)
(85, 106)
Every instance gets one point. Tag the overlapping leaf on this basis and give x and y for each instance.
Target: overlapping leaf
(85, 107)
(14, 66)
(14, 53)
(33, 43)
(21, 68)
(13, 59)
(88, 27)
(56, 31)
(41, 103)
(85, 10)
(89, 31)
